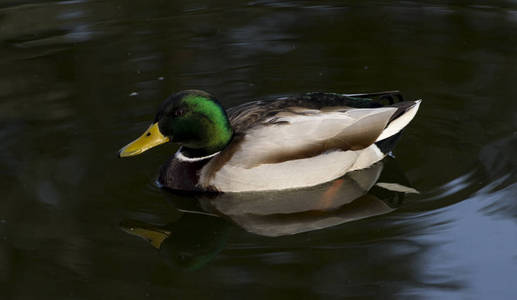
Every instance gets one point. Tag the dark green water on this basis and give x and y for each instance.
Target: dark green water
(79, 79)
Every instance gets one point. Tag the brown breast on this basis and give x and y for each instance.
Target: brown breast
(181, 175)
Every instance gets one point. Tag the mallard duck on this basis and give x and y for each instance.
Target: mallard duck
(284, 143)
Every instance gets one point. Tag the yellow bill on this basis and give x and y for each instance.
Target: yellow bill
(150, 138)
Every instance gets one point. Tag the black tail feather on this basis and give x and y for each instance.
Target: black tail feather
(391, 96)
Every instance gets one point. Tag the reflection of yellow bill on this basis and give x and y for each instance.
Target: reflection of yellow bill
(154, 236)
(150, 138)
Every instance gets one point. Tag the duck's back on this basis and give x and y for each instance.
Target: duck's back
(304, 140)
(247, 115)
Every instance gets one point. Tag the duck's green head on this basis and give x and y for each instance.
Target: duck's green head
(191, 118)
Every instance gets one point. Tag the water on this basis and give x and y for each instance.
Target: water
(79, 79)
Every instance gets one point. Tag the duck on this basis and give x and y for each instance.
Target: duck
(279, 143)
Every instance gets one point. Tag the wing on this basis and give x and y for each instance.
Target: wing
(287, 136)
(290, 150)
(303, 141)
(247, 115)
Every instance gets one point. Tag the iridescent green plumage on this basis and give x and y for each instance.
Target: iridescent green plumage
(196, 120)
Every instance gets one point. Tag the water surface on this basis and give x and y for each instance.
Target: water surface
(79, 79)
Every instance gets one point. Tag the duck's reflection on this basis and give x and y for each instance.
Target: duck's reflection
(201, 232)
(352, 197)
(188, 243)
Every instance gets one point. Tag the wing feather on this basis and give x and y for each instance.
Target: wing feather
(276, 156)
(276, 141)
(302, 136)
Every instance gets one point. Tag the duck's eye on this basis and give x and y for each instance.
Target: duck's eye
(178, 113)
